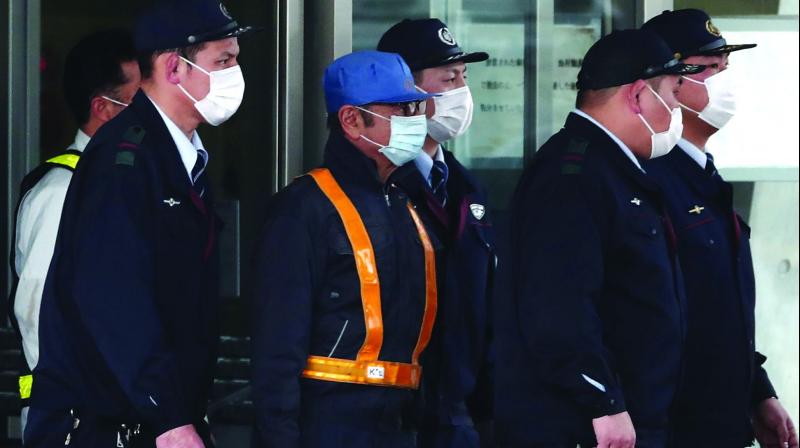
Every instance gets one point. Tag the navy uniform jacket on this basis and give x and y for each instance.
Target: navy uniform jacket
(307, 301)
(724, 378)
(465, 227)
(128, 325)
(596, 324)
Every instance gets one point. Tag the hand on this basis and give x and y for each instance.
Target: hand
(180, 437)
(614, 431)
(773, 426)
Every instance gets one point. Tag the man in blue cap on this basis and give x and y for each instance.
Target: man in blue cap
(346, 292)
(590, 345)
(460, 396)
(726, 393)
(128, 322)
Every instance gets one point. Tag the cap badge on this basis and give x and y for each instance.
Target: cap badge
(224, 11)
(712, 29)
(446, 37)
(477, 210)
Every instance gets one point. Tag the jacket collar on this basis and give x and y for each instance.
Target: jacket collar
(609, 150)
(162, 145)
(351, 167)
(684, 166)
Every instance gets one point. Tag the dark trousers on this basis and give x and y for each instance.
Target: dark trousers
(47, 429)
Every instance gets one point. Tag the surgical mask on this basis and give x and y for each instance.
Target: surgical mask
(661, 143)
(224, 95)
(406, 139)
(721, 105)
(453, 114)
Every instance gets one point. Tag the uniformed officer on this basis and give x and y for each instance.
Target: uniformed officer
(725, 385)
(590, 343)
(459, 204)
(346, 293)
(101, 76)
(128, 323)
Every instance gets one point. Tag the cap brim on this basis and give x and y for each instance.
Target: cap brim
(478, 56)
(678, 69)
(242, 30)
(725, 49)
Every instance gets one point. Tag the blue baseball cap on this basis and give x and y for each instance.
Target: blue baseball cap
(690, 32)
(366, 77)
(182, 23)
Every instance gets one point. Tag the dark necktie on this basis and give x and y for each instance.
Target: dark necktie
(198, 173)
(438, 179)
(711, 169)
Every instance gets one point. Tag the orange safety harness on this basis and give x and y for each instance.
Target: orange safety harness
(367, 368)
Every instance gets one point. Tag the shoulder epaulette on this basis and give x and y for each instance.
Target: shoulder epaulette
(573, 157)
(131, 139)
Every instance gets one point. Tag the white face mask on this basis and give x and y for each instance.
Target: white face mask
(406, 139)
(662, 142)
(721, 105)
(453, 114)
(224, 95)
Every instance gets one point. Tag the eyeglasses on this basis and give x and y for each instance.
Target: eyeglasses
(408, 109)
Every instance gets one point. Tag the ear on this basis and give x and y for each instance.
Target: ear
(351, 121)
(633, 94)
(171, 63)
(100, 109)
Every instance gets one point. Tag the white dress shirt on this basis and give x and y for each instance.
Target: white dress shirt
(616, 139)
(189, 150)
(36, 230)
(697, 154)
(424, 163)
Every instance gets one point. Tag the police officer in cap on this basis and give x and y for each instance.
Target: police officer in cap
(591, 342)
(459, 203)
(128, 325)
(725, 387)
(346, 293)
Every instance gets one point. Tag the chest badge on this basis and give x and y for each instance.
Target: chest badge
(478, 211)
(172, 202)
(696, 210)
(636, 201)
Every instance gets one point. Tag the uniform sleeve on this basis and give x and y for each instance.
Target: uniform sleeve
(282, 313)
(115, 288)
(37, 227)
(559, 279)
(762, 386)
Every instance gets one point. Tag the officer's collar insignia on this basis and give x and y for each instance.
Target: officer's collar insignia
(712, 29)
(446, 37)
(478, 211)
(224, 11)
(636, 201)
(696, 210)
(172, 202)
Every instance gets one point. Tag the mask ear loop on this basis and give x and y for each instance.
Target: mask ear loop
(194, 65)
(377, 115)
(185, 92)
(661, 100)
(372, 113)
(696, 82)
(649, 128)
